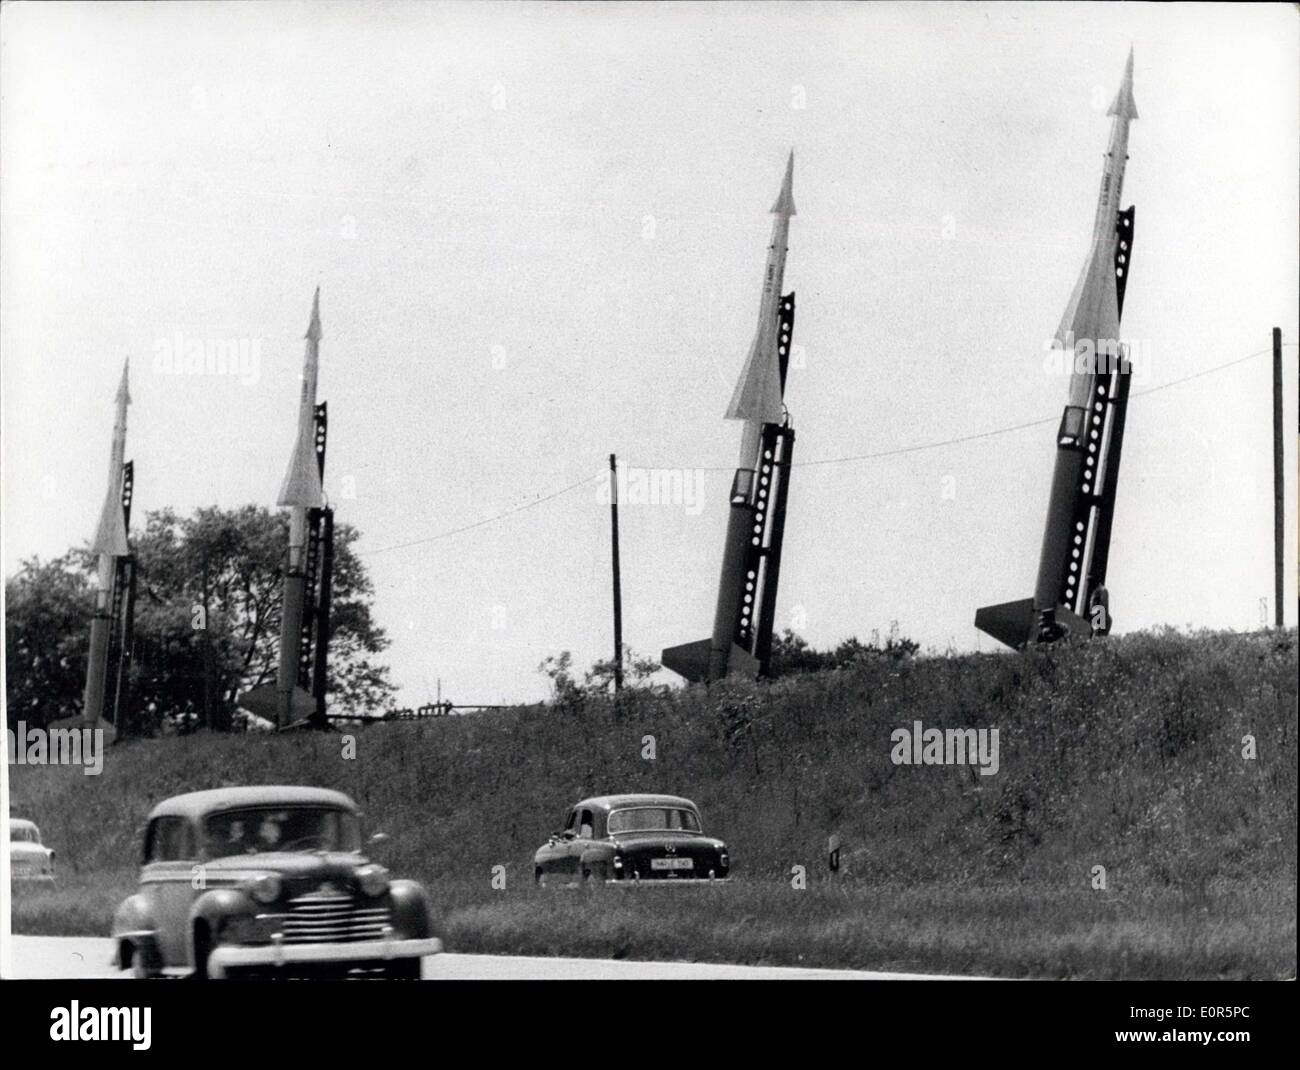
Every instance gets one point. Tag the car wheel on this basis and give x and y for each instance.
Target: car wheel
(139, 968)
(202, 945)
(539, 878)
(403, 970)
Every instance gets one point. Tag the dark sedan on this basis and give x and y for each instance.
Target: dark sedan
(632, 838)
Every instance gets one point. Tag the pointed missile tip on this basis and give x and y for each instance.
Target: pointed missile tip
(123, 395)
(785, 199)
(313, 328)
(1123, 105)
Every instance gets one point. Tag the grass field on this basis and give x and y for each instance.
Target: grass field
(1126, 755)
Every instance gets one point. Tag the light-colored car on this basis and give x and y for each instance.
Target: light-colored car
(268, 881)
(29, 859)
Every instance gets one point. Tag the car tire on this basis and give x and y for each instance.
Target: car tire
(140, 970)
(403, 970)
(202, 945)
(539, 878)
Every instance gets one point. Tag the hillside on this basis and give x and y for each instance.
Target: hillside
(1125, 754)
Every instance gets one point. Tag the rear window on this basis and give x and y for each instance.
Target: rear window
(654, 819)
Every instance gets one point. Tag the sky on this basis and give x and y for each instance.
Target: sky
(539, 232)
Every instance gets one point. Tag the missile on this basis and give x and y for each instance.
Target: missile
(109, 543)
(285, 702)
(1070, 595)
(751, 560)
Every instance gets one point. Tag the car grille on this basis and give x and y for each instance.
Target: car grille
(331, 918)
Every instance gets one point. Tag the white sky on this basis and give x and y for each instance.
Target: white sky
(539, 233)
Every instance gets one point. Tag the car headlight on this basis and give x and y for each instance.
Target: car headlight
(265, 888)
(373, 880)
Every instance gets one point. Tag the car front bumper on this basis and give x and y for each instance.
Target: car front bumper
(664, 882)
(280, 954)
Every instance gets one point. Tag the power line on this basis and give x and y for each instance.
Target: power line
(1197, 375)
(480, 523)
(918, 448)
(1016, 427)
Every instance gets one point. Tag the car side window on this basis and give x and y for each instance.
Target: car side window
(586, 825)
(573, 820)
(169, 839)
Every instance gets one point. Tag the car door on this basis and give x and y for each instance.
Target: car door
(167, 883)
(552, 858)
(585, 827)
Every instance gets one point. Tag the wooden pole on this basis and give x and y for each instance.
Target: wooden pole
(618, 586)
(1279, 504)
(324, 590)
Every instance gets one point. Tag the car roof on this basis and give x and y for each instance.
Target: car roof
(197, 803)
(614, 802)
(21, 822)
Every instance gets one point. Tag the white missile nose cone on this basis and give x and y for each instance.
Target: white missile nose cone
(785, 199)
(123, 396)
(313, 328)
(1123, 103)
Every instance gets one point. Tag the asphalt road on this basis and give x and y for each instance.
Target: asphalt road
(88, 957)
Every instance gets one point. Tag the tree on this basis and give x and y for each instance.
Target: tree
(636, 670)
(791, 653)
(207, 622)
(567, 691)
(47, 634)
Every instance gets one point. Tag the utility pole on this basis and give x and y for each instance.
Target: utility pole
(207, 650)
(126, 621)
(618, 585)
(324, 594)
(1279, 501)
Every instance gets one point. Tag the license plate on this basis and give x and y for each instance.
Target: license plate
(671, 863)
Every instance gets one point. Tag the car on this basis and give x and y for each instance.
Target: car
(268, 881)
(29, 859)
(632, 838)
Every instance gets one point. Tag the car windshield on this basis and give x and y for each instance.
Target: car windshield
(281, 828)
(654, 818)
(23, 834)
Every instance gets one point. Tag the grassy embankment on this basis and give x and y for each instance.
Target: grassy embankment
(1125, 754)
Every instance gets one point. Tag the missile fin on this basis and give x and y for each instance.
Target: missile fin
(110, 536)
(1008, 622)
(758, 392)
(266, 701)
(689, 660)
(1093, 310)
(301, 484)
